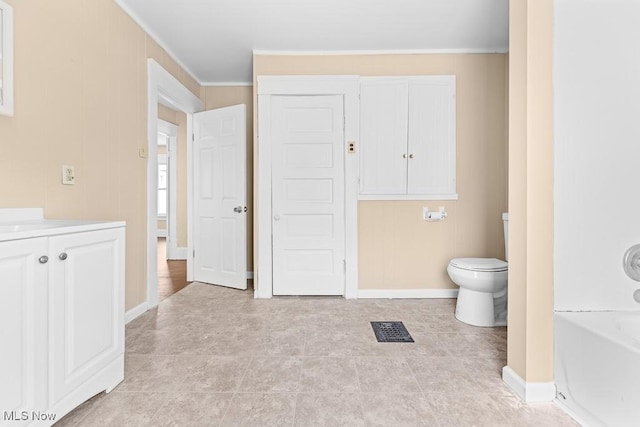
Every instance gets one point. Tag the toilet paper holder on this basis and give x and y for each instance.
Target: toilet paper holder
(431, 216)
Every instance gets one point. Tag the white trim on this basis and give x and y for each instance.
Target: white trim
(171, 130)
(164, 88)
(180, 253)
(528, 391)
(190, 249)
(407, 293)
(135, 312)
(6, 50)
(349, 88)
(155, 37)
(21, 214)
(407, 197)
(225, 84)
(379, 52)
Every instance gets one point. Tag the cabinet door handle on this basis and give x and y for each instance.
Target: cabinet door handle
(43, 259)
(411, 156)
(62, 256)
(404, 156)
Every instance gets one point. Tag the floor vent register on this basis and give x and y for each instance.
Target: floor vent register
(391, 332)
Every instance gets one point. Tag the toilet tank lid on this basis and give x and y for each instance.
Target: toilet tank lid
(480, 264)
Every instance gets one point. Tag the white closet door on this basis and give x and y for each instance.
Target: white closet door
(432, 136)
(383, 136)
(308, 204)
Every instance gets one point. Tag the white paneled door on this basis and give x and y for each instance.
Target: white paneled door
(308, 201)
(220, 226)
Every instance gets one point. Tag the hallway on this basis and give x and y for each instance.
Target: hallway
(172, 274)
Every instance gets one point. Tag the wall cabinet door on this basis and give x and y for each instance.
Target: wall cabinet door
(85, 310)
(408, 138)
(432, 137)
(383, 136)
(23, 331)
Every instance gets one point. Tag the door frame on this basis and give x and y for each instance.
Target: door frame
(349, 88)
(171, 131)
(165, 89)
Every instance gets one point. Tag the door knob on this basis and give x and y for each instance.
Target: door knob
(43, 259)
(62, 256)
(240, 209)
(276, 217)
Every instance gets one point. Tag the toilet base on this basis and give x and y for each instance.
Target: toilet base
(481, 308)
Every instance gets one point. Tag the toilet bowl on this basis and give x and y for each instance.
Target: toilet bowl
(482, 298)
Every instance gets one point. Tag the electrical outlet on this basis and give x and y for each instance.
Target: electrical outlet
(68, 175)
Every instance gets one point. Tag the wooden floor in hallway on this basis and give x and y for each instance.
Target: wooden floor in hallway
(172, 274)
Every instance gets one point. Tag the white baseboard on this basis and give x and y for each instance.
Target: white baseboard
(135, 312)
(528, 391)
(407, 293)
(178, 254)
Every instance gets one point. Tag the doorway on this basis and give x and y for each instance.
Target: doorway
(343, 91)
(165, 90)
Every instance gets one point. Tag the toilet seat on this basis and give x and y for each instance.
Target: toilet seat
(479, 264)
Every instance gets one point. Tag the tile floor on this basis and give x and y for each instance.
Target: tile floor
(214, 356)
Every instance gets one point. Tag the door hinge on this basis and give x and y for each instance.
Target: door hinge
(193, 137)
(344, 265)
(194, 253)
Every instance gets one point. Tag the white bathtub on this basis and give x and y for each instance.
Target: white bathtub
(597, 366)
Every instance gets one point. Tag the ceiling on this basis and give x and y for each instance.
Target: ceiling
(214, 39)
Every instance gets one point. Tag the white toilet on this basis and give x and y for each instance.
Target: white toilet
(482, 299)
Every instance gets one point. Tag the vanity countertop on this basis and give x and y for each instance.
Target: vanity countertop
(14, 230)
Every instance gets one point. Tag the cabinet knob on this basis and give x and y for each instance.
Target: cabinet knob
(404, 156)
(62, 256)
(411, 156)
(43, 259)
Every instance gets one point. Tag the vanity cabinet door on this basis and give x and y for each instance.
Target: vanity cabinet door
(85, 311)
(23, 328)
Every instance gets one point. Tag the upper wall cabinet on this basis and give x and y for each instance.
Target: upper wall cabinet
(6, 59)
(408, 138)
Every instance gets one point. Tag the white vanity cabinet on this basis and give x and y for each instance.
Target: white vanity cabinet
(61, 319)
(408, 138)
(23, 326)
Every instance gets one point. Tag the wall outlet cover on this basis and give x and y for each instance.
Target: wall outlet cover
(68, 175)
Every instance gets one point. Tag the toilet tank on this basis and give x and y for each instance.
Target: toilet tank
(505, 221)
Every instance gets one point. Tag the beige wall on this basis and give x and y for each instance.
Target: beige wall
(80, 86)
(530, 332)
(397, 249)
(225, 96)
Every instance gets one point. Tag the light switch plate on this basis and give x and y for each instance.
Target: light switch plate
(68, 175)
(142, 152)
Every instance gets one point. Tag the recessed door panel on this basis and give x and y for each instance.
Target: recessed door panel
(317, 155)
(309, 190)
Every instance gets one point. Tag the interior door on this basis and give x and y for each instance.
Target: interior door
(308, 201)
(220, 226)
